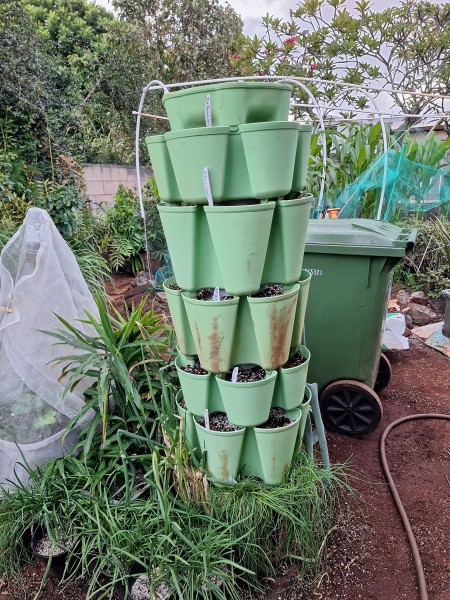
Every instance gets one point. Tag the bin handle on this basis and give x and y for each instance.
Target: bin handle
(411, 240)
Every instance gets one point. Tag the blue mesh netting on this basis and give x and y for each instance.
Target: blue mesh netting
(410, 187)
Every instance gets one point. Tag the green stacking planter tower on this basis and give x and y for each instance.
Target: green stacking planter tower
(231, 175)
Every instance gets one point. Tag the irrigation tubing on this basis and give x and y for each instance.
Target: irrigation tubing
(423, 594)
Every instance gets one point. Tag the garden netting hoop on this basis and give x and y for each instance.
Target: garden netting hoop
(39, 279)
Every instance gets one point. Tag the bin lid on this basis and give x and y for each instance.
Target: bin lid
(358, 237)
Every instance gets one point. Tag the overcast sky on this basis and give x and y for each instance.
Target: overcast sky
(252, 11)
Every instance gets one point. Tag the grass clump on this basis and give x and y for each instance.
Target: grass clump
(134, 499)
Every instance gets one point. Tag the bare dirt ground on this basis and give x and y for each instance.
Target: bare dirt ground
(368, 555)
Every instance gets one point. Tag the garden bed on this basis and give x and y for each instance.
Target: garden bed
(355, 568)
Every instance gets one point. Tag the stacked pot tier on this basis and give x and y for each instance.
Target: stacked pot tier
(233, 103)
(239, 330)
(237, 248)
(250, 451)
(246, 404)
(255, 160)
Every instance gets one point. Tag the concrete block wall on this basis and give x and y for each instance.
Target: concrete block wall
(103, 181)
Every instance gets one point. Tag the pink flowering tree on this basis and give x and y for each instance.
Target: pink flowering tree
(406, 46)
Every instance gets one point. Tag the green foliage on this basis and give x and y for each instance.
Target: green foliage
(350, 151)
(124, 356)
(428, 266)
(405, 46)
(126, 231)
(285, 523)
(192, 39)
(134, 499)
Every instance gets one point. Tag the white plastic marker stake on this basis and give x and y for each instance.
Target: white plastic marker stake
(231, 480)
(208, 119)
(206, 417)
(216, 295)
(207, 187)
(234, 375)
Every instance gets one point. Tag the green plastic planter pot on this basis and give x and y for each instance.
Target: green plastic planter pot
(301, 158)
(300, 311)
(305, 408)
(291, 383)
(162, 168)
(276, 448)
(180, 321)
(287, 240)
(181, 227)
(270, 150)
(189, 430)
(240, 236)
(247, 404)
(196, 388)
(273, 322)
(212, 325)
(229, 104)
(192, 150)
(223, 452)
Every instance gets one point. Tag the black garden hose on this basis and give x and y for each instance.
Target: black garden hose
(423, 594)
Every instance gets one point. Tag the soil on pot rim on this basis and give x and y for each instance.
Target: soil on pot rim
(272, 289)
(294, 361)
(140, 590)
(277, 418)
(174, 286)
(218, 421)
(247, 374)
(182, 403)
(195, 369)
(207, 294)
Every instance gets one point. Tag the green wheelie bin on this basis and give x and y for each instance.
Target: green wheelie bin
(351, 263)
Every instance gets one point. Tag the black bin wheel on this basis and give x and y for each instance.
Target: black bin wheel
(350, 407)
(384, 373)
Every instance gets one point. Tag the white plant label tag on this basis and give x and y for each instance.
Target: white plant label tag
(216, 295)
(234, 374)
(231, 480)
(208, 119)
(207, 187)
(206, 417)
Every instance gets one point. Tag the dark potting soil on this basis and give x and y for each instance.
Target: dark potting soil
(218, 422)
(277, 418)
(173, 286)
(294, 361)
(246, 375)
(208, 295)
(194, 369)
(182, 403)
(272, 289)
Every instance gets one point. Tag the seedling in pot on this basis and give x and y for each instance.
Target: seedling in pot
(269, 290)
(294, 361)
(218, 421)
(207, 294)
(277, 418)
(245, 374)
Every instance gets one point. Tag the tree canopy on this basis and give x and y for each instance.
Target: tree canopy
(405, 46)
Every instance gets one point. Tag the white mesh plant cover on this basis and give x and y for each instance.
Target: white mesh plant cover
(39, 277)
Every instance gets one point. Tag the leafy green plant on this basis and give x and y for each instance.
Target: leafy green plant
(123, 356)
(428, 266)
(126, 231)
